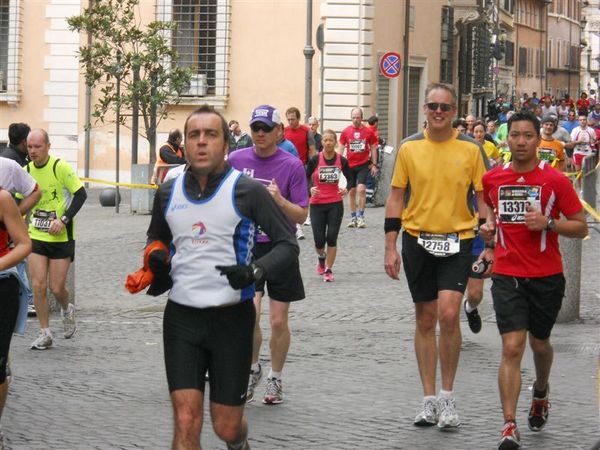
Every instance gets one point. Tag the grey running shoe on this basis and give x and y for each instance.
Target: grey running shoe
(428, 416)
(252, 382)
(352, 223)
(360, 222)
(511, 439)
(538, 413)
(69, 324)
(43, 342)
(274, 392)
(448, 417)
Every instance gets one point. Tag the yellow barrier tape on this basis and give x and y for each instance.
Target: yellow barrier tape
(113, 183)
(595, 214)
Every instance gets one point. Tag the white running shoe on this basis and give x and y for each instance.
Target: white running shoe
(274, 392)
(428, 416)
(69, 324)
(299, 233)
(448, 417)
(360, 222)
(252, 382)
(43, 342)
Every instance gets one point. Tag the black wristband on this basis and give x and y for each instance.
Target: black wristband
(482, 221)
(392, 224)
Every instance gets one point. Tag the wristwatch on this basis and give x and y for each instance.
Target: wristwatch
(65, 220)
(257, 272)
(551, 226)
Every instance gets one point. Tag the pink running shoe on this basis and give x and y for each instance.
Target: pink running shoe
(321, 266)
(328, 276)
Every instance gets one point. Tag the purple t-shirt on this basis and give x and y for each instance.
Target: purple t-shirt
(287, 170)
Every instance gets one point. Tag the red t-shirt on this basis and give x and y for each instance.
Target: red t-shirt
(358, 143)
(519, 251)
(327, 179)
(299, 138)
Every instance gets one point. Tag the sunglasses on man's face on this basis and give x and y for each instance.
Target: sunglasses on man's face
(445, 107)
(259, 126)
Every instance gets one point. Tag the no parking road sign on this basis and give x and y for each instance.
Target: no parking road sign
(389, 65)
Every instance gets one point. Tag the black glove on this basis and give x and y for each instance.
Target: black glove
(238, 276)
(160, 267)
(158, 263)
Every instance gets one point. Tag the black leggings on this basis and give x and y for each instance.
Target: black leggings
(326, 220)
(9, 309)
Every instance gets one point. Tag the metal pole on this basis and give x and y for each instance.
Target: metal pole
(117, 143)
(309, 52)
(88, 114)
(406, 68)
(135, 120)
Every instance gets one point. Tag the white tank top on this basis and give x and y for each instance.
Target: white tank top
(208, 232)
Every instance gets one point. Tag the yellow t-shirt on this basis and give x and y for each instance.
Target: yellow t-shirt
(440, 177)
(491, 150)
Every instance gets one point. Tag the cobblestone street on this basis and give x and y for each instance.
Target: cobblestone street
(351, 380)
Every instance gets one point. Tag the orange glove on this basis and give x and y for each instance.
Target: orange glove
(142, 278)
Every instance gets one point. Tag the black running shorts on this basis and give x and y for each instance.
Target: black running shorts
(9, 310)
(54, 250)
(217, 340)
(527, 303)
(428, 274)
(361, 173)
(287, 288)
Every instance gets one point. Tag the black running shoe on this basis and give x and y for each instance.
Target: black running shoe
(473, 318)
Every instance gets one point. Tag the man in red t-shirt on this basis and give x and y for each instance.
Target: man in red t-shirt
(525, 201)
(300, 135)
(360, 147)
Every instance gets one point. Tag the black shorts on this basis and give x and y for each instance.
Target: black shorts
(217, 340)
(428, 274)
(9, 310)
(360, 173)
(527, 303)
(54, 250)
(288, 288)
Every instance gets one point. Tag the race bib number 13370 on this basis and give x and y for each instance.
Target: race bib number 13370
(514, 200)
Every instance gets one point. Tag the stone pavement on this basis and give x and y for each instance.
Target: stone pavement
(351, 380)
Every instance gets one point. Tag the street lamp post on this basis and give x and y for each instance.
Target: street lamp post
(309, 52)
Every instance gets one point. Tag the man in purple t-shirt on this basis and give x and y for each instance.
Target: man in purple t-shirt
(284, 177)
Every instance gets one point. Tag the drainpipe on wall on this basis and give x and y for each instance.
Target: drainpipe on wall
(360, 59)
(309, 52)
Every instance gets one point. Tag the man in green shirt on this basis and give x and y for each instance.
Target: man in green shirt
(51, 230)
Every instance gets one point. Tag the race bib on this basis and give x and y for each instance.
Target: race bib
(513, 202)
(42, 219)
(357, 145)
(546, 154)
(329, 175)
(439, 244)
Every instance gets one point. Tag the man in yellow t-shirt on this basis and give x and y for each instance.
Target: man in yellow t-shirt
(550, 149)
(52, 233)
(438, 169)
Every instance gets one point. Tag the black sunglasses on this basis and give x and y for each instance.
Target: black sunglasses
(445, 107)
(259, 126)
